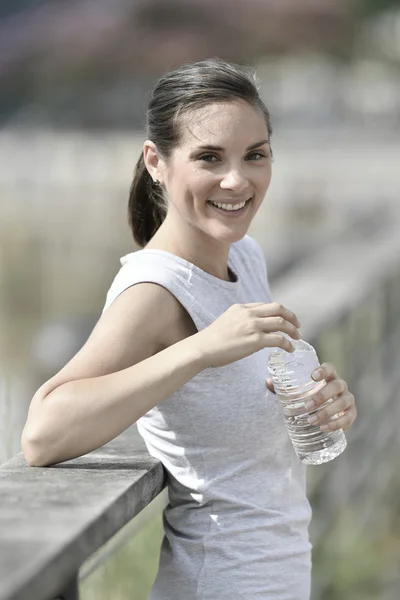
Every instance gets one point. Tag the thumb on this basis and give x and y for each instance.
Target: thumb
(270, 385)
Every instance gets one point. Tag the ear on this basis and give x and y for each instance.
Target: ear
(154, 164)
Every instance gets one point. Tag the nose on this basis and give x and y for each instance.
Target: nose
(234, 180)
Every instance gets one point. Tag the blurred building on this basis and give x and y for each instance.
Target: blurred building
(90, 62)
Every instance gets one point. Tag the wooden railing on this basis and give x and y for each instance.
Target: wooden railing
(347, 296)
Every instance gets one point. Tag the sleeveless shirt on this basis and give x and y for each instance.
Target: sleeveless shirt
(236, 523)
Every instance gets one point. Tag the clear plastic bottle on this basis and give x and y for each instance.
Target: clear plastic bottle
(291, 376)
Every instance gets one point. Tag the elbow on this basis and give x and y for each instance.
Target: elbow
(32, 449)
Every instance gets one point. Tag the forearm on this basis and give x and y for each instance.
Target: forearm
(82, 415)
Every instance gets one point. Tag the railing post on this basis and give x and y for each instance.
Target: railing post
(70, 592)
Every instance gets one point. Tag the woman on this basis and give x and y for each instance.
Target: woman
(181, 349)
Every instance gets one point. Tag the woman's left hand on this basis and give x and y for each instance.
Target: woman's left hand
(342, 406)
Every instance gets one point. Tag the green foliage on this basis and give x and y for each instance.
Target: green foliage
(348, 561)
(371, 7)
(130, 571)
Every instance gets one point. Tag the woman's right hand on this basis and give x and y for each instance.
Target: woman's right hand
(244, 329)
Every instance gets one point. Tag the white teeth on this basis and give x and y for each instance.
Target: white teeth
(229, 206)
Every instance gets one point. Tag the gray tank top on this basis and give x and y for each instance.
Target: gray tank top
(236, 525)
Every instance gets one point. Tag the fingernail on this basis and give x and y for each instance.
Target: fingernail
(312, 419)
(324, 427)
(317, 374)
(310, 404)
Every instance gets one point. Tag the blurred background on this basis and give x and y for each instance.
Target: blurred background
(74, 79)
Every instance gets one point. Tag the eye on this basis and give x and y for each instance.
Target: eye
(207, 157)
(257, 154)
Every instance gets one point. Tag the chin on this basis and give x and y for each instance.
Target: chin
(229, 235)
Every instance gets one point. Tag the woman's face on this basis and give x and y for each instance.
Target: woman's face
(223, 156)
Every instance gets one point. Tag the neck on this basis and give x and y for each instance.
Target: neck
(209, 255)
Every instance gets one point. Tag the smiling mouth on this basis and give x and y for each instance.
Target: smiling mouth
(232, 210)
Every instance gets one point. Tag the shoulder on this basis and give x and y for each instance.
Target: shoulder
(250, 250)
(143, 312)
(247, 244)
(252, 262)
(150, 285)
(163, 319)
(146, 267)
(251, 244)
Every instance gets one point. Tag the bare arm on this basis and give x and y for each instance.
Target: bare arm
(118, 376)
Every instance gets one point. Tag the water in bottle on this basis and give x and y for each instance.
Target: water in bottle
(291, 376)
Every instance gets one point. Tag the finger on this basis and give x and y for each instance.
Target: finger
(275, 309)
(278, 341)
(325, 371)
(279, 325)
(333, 389)
(270, 385)
(253, 304)
(344, 421)
(336, 407)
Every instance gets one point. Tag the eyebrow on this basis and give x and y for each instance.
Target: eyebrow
(219, 148)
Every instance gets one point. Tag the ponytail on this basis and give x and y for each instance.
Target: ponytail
(146, 206)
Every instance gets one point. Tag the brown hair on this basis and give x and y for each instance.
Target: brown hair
(189, 87)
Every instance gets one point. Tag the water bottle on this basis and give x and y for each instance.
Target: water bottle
(291, 376)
